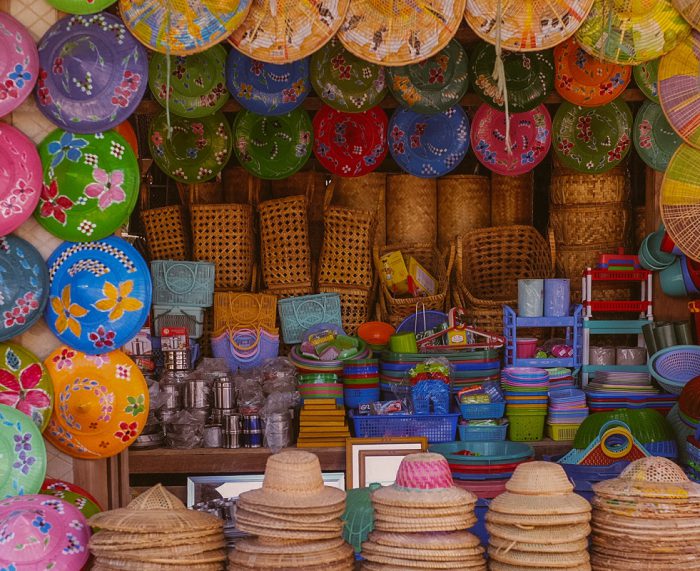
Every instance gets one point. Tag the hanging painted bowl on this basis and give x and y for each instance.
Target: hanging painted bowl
(646, 76)
(197, 82)
(101, 403)
(25, 384)
(93, 73)
(100, 294)
(267, 88)
(350, 144)
(196, 151)
(91, 184)
(81, 6)
(654, 139)
(273, 147)
(22, 455)
(19, 69)
(530, 139)
(20, 178)
(595, 139)
(54, 485)
(85, 505)
(42, 533)
(24, 286)
(429, 146)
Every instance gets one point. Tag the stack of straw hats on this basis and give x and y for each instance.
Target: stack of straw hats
(646, 519)
(539, 522)
(420, 521)
(156, 531)
(296, 518)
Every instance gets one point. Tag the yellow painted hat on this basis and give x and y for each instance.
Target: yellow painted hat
(690, 10)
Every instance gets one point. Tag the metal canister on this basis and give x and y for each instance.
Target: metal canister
(278, 430)
(196, 394)
(232, 423)
(173, 396)
(224, 394)
(232, 439)
(213, 436)
(252, 431)
(177, 360)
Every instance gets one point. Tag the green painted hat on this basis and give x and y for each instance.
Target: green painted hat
(646, 76)
(654, 138)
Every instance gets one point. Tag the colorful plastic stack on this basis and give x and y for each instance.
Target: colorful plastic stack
(647, 519)
(360, 382)
(539, 522)
(612, 390)
(567, 410)
(526, 390)
(482, 409)
(561, 378)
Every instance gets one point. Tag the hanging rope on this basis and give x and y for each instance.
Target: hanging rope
(499, 72)
(168, 71)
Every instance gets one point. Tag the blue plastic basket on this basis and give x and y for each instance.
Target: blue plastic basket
(675, 366)
(435, 427)
(666, 448)
(356, 397)
(482, 433)
(422, 321)
(183, 283)
(297, 314)
(480, 411)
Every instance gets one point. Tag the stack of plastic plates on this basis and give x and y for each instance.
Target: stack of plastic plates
(628, 390)
(567, 406)
(526, 389)
(560, 378)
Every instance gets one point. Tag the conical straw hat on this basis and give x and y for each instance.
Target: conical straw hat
(417, 553)
(498, 566)
(303, 560)
(552, 535)
(245, 517)
(256, 546)
(539, 560)
(690, 10)
(139, 553)
(283, 31)
(293, 480)
(539, 479)
(507, 545)
(438, 541)
(399, 32)
(527, 25)
(531, 521)
(371, 566)
(155, 511)
(118, 540)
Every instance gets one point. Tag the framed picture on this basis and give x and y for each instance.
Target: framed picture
(206, 488)
(376, 460)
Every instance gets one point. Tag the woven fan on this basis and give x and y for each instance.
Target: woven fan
(690, 10)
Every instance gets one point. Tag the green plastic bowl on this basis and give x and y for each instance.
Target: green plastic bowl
(672, 282)
(647, 425)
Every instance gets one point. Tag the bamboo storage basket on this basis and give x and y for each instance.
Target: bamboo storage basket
(346, 257)
(284, 243)
(590, 224)
(512, 199)
(433, 261)
(238, 310)
(355, 305)
(572, 260)
(568, 189)
(201, 193)
(366, 192)
(411, 209)
(463, 204)
(223, 234)
(241, 187)
(640, 226)
(166, 233)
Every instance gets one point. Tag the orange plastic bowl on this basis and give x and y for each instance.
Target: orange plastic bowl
(375, 333)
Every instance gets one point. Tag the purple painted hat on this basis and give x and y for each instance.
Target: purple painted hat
(93, 73)
(19, 64)
(42, 532)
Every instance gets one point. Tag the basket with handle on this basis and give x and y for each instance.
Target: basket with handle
(512, 199)
(297, 314)
(223, 234)
(284, 240)
(175, 316)
(246, 348)
(355, 305)
(590, 224)
(244, 310)
(439, 264)
(182, 283)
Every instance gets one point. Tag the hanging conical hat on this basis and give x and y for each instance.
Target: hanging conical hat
(690, 10)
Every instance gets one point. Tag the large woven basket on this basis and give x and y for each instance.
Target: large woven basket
(366, 192)
(590, 224)
(463, 204)
(411, 209)
(284, 242)
(639, 231)
(573, 260)
(346, 256)
(241, 187)
(201, 193)
(224, 235)
(355, 305)
(567, 189)
(237, 310)
(439, 264)
(512, 199)
(167, 233)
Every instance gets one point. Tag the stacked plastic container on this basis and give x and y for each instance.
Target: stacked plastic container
(526, 391)
(360, 382)
(567, 410)
(474, 424)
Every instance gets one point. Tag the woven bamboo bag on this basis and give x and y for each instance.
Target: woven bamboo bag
(355, 305)
(366, 192)
(411, 209)
(590, 223)
(570, 189)
(463, 204)
(512, 199)
(167, 233)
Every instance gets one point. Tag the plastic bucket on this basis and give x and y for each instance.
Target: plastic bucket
(526, 347)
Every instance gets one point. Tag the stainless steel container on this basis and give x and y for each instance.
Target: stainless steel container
(278, 430)
(232, 423)
(173, 396)
(196, 394)
(178, 360)
(200, 415)
(213, 436)
(233, 439)
(224, 394)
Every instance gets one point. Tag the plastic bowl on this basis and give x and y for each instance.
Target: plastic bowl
(672, 280)
(489, 452)
(375, 333)
(654, 248)
(526, 347)
(690, 286)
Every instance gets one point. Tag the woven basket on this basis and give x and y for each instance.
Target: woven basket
(207, 328)
(512, 199)
(238, 310)
(355, 306)
(284, 241)
(571, 189)
(362, 193)
(590, 224)
(241, 187)
(224, 234)
(346, 257)
(573, 260)
(463, 204)
(486, 316)
(201, 193)
(433, 261)
(639, 231)
(411, 209)
(167, 234)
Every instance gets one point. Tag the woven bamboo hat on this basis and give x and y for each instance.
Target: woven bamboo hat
(423, 480)
(437, 541)
(399, 32)
(580, 544)
(552, 535)
(498, 566)
(115, 541)
(312, 555)
(631, 32)
(283, 31)
(651, 477)
(690, 10)
(293, 480)
(155, 511)
(539, 560)
(527, 25)
(539, 488)
(182, 27)
(537, 520)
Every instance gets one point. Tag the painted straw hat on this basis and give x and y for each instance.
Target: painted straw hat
(182, 27)
(400, 32)
(655, 140)
(690, 10)
(155, 511)
(527, 25)
(679, 91)
(632, 31)
(646, 76)
(293, 480)
(283, 31)
(539, 488)
(81, 6)
(20, 64)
